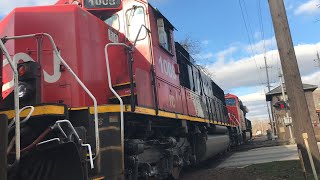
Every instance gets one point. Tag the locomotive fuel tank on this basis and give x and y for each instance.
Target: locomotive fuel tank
(216, 129)
(216, 141)
(211, 145)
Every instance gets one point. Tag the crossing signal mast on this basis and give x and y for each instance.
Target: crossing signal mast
(284, 105)
(270, 113)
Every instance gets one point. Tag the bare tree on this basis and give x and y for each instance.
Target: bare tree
(206, 71)
(193, 46)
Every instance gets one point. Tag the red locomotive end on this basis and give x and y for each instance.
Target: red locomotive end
(233, 106)
(237, 115)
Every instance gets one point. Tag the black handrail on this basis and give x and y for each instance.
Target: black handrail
(130, 62)
(1, 82)
(3, 145)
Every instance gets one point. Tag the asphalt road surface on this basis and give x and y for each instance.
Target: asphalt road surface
(261, 155)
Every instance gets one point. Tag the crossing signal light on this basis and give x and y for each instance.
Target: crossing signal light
(280, 105)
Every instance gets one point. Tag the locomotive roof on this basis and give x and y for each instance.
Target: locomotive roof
(242, 107)
(159, 14)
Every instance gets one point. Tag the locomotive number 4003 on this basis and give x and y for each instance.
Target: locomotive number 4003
(102, 3)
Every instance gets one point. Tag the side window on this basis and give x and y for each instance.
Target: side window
(135, 19)
(164, 35)
(113, 21)
(191, 78)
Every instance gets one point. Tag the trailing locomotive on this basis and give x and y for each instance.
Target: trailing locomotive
(237, 116)
(97, 89)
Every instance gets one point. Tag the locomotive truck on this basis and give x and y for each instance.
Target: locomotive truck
(97, 89)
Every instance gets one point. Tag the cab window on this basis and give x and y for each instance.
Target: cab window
(164, 33)
(230, 102)
(135, 19)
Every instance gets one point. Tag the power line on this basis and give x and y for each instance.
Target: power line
(261, 26)
(264, 43)
(249, 39)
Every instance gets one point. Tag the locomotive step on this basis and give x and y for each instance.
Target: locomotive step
(121, 85)
(123, 92)
(122, 96)
(126, 98)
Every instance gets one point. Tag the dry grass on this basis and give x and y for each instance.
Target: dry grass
(285, 170)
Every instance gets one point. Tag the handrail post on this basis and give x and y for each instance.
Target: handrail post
(116, 94)
(16, 98)
(1, 75)
(130, 62)
(153, 80)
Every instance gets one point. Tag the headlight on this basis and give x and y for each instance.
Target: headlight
(24, 90)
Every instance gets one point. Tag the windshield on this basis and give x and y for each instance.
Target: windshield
(230, 102)
(135, 19)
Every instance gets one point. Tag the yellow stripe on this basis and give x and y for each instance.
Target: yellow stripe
(79, 108)
(60, 110)
(106, 109)
(98, 178)
(190, 118)
(152, 112)
(38, 110)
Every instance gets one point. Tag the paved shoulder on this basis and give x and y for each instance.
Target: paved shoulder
(261, 155)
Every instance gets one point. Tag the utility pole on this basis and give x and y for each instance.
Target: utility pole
(318, 59)
(267, 72)
(301, 120)
(291, 140)
(271, 118)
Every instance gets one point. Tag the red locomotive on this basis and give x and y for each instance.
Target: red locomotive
(97, 89)
(237, 116)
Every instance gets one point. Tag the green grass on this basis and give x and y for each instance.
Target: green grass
(278, 170)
